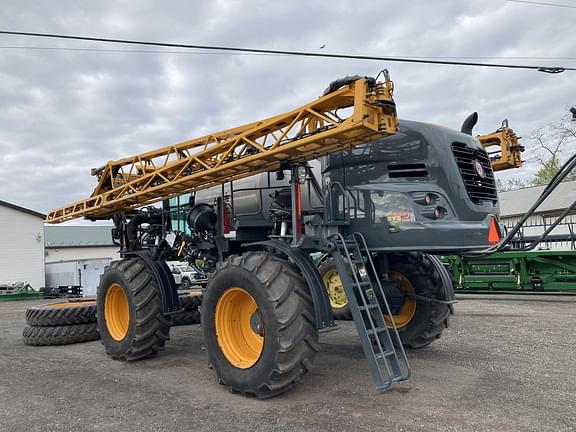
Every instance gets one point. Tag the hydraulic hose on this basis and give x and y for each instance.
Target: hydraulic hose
(550, 187)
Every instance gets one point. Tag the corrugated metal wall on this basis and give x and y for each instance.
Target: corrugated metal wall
(536, 225)
(55, 254)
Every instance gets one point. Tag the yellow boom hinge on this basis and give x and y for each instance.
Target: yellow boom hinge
(355, 112)
(503, 148)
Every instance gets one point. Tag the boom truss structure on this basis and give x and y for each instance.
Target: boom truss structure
(355, 112)
(508, 153)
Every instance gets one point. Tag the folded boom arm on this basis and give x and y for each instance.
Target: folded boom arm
(508, 153)
(356, 112)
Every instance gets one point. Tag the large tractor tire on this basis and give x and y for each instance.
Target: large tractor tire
(190, 313)
(335, 289)
(62, 313)
(130, 319)
(258, 325)
(420, 322)
(60, 334)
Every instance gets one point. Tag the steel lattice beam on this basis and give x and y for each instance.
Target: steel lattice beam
(358, 112)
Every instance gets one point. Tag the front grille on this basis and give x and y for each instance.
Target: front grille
(407, 170)
(479, 189)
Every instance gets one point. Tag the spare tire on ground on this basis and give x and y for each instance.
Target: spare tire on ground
(62, 313)
(60, 335)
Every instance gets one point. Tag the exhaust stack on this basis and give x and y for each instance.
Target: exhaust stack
(469, 123)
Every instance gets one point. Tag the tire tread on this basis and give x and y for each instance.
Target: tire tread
(60, 335)
(45, 315)
(190, 313)
(298, 338)
(430, 269)
(151, 327)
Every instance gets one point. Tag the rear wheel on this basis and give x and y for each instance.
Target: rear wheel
(130, 318)
(258, 324)
(190, 313)
(420, 322)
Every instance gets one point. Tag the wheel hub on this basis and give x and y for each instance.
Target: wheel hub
(239, 328)
(256, 323)
(116, 312)
(335, 289)
(407, 309)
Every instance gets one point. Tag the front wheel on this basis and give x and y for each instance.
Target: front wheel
(258, 325)
(130, 319)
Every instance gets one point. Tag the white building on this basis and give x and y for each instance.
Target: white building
(22, 240)
(76, 256)
(74, 243)
(514, 204)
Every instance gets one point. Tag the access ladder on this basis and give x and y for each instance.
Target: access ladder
(380, 339)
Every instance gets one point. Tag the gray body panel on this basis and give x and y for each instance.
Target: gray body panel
(396, 172)
(386, 181)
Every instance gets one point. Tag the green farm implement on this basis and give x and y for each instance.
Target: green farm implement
(541, 270)
(18, 291)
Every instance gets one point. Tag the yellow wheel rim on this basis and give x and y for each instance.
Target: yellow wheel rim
(338, 299)
(335, 289)
(239, 328)
(116, 312)
(408, 308)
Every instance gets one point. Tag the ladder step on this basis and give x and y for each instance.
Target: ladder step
(370, 306)
(385, 354)
(376, 330)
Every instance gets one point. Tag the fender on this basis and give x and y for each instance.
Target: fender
(447, 285)
(322, 309)
(164, 279)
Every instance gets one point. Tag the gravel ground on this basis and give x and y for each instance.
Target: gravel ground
(507, 363)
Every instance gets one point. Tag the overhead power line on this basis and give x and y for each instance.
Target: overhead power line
(547, 69)
(50, 48)
(163, 51)
(542, 3)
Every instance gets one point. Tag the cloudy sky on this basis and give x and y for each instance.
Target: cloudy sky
(64, 111)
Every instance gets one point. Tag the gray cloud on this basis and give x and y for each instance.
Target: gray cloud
(64, 112)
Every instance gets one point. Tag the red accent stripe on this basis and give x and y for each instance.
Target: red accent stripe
(298, 209)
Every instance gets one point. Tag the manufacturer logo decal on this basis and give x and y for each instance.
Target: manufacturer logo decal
(479, 168)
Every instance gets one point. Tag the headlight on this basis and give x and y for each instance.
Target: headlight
(392, 207)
